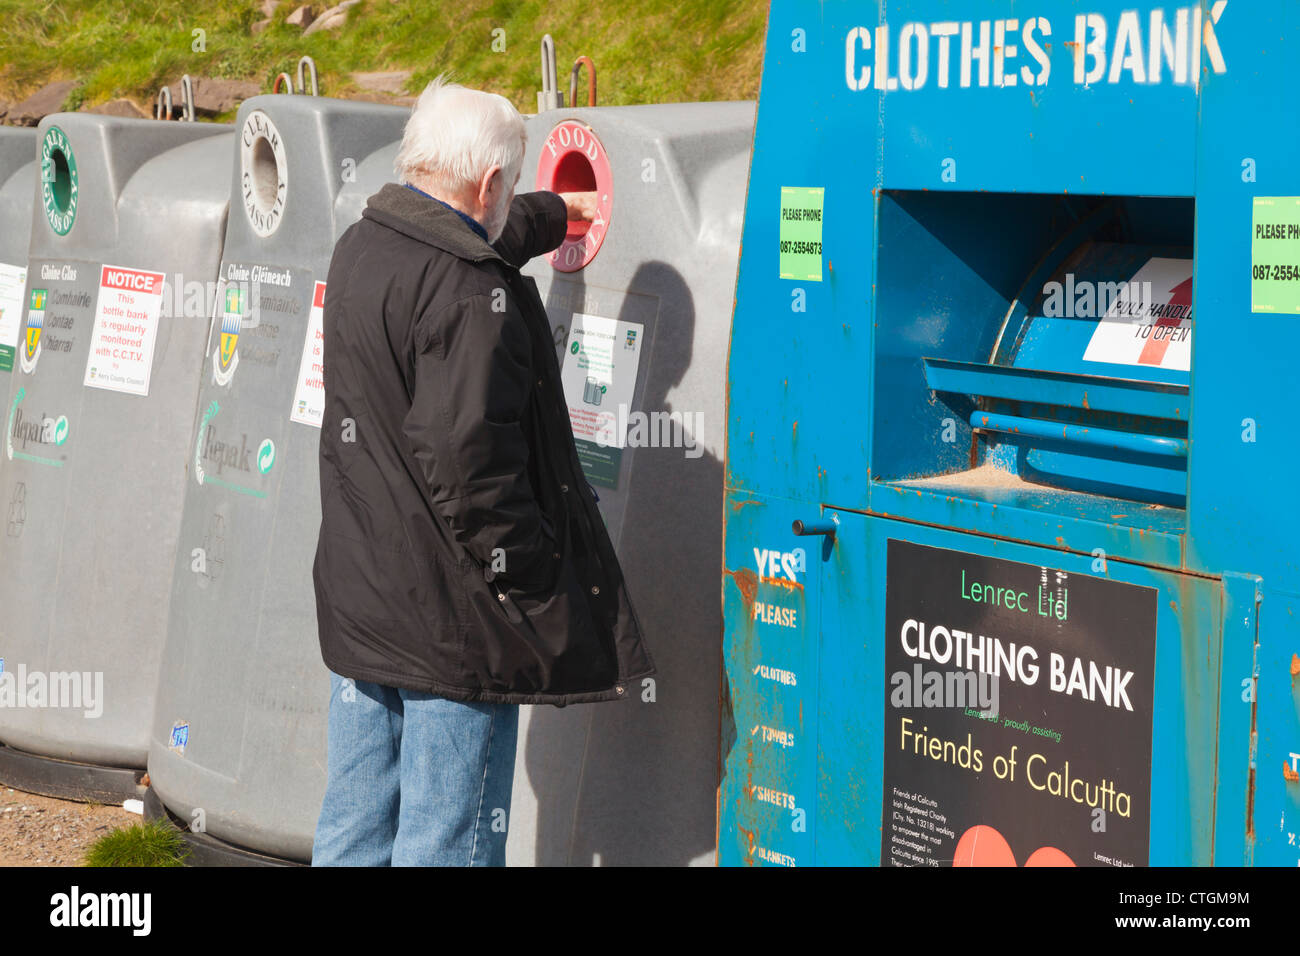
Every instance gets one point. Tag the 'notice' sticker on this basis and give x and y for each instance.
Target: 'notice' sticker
(801, 232)
(309, 394)
(126, 324)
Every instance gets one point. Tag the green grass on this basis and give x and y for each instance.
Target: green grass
(142, 844)
(646, 51)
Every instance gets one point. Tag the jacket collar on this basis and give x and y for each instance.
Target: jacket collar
(473, 224)
(427, 220)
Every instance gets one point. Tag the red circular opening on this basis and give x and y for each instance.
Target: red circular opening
(573, 174)
(574, 160)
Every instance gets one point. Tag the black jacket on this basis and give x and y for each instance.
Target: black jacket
(461, 551)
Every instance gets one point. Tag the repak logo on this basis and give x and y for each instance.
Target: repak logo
(774, 564)
(226, 454)
(41, 430)
(265, 456)
(222, 454)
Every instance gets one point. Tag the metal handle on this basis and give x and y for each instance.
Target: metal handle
(591, 81)
(549, 79)
(311, 71)
(187, 95)
(288, 83)
(159, 111)
(1082, 434)
(820, 526)
(550, 97)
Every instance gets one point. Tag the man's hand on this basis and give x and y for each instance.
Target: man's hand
(581, 207)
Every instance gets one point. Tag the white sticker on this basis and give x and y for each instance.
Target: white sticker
(13, 279)
(1150, 320)
(126, 324)
(599, 377)
(309, 394)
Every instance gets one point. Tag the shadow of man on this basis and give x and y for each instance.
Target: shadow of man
(635, 783)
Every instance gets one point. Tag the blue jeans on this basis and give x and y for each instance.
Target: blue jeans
(414, 779)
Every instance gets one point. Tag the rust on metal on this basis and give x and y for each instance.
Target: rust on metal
(578, 64)
(1290, 775)
(749, 840)
(782, 583)
(1295, 666)
(747, 581)
(717, 822)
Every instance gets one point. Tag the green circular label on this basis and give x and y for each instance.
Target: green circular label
(61, 430)
(574, 348)
(266, 456)
(59, 190)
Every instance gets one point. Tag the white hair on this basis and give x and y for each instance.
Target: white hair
(455, 135)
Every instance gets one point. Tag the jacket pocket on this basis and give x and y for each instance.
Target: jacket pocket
(561, 623)
(540, 641)
(500, 581)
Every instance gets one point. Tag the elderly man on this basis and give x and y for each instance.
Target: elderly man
(462, 567)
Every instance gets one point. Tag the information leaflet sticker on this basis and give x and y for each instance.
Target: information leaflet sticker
(1150, 321)
(1275, 255)
(309, 395)
(125, 327)
(1018, 711)
(13, 279)
(599, 377)
(801, 232)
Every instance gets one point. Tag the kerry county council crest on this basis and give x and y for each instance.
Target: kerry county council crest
(30, 347)
(225, 357)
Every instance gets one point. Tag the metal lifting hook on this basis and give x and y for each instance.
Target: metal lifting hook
(187, 96)
(550, 97)
(311, 71)
(160, 111)
(591, 81)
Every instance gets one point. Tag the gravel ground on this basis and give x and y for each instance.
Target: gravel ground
(43, 831)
